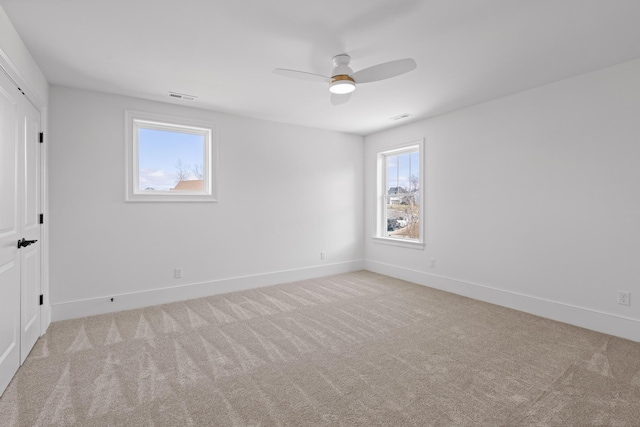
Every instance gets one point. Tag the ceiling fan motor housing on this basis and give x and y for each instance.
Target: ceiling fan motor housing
(341, 81)
(341, 65)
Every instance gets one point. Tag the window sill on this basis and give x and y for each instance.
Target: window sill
(397, 242)
(171, 198)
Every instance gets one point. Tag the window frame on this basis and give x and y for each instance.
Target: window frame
(138, 119)
(380, 235)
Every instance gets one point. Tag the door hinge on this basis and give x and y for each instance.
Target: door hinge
(41, 137)
(41, 218)
(41, 299)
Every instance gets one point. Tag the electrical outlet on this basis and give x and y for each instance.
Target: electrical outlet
(624, 297)
(322, 255)
(433, 263)
(177, 273)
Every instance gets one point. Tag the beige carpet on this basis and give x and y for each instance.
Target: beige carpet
(357, 349)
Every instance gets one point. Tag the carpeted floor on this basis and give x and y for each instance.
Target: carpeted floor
(357, 349)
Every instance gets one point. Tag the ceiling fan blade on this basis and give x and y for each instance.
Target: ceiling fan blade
(301, 75)
(384, 71)
(337, 99)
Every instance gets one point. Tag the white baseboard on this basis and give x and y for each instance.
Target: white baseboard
(607, 323)
(101, 305)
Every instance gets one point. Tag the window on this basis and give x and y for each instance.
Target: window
(399, 212)
(169, 159)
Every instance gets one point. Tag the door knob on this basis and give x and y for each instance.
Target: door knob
(22, 243)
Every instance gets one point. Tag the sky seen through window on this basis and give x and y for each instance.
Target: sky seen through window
(159, 151)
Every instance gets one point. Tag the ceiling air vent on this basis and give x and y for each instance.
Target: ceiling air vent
(401, 117)
(182, 96)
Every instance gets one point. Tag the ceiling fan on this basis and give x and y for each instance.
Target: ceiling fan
(343, 80)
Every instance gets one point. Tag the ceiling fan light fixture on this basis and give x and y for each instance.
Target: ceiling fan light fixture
(342, 84)
(343, 80)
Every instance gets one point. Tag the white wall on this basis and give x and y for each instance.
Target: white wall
(532, 201)
(286, 194)
(14, 51)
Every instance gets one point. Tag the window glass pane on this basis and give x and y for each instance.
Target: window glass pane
(402, 198)
(392, 172)
(414, 177)
(403, 213)
(170, 160)
(404, 171)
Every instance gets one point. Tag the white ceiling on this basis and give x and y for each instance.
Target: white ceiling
(224, 51)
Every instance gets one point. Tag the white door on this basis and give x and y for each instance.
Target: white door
(9, 232)
(29, 135)
(19, 218)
